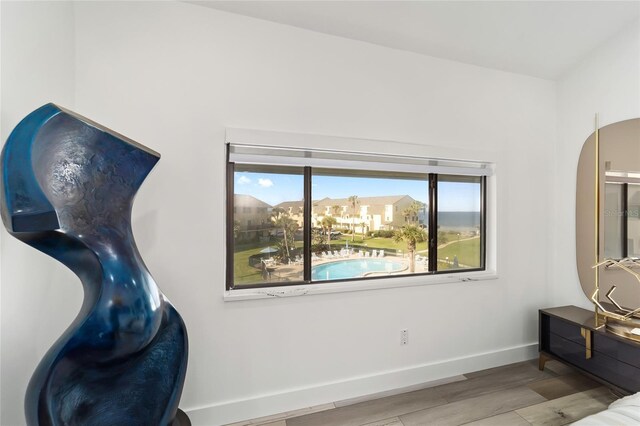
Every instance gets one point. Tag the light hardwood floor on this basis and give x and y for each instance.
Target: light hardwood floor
(513, 395)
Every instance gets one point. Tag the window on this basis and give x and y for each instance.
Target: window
(614, 220)
(459, 223)
(633, 221)
(363, 244)
(272, 251)
(358, 221)
(622, 220)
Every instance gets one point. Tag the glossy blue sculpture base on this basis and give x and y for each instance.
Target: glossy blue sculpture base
(68, 186)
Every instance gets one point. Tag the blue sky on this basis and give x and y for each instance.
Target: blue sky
(276, 188)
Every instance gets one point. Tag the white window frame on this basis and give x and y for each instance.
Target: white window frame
(446, 160)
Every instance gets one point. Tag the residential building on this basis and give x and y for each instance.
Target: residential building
(252, 218)
(294, 209)
(370, 214)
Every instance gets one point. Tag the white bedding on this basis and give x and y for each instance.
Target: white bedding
(623, 412)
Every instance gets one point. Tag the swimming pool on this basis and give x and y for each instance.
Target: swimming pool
(353, 268)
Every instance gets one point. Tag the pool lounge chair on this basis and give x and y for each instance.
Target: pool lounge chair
(381, 253)
(375, 253)
(424, 261)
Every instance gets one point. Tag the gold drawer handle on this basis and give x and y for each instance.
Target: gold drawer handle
(586, 333)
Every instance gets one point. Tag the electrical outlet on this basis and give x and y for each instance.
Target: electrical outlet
(404, 337)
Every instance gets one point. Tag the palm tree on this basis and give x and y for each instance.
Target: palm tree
(411, 212)
(327, 224)
(353, 202)
(412, 235)
(335, 209)
(364, 226)
(282, 220)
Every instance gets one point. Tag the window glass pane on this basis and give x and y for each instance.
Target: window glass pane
(268, 224)
(368, 224)
(613, 220)
(459, 238)
(633, 221)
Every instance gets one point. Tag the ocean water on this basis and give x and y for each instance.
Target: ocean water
(459, 220)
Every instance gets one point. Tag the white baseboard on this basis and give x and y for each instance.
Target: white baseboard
(358, 388)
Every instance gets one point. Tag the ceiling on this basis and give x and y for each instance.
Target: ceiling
(538, 38)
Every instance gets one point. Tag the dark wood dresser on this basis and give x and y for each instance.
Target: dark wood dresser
(568, 334)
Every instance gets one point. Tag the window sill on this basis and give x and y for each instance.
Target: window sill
(341, 287)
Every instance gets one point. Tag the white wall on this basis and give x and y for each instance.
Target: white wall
(172, 76)
(607, 82)
(39, 297)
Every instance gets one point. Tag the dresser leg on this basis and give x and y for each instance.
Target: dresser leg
(542, 360)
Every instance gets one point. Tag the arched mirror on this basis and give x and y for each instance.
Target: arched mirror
(619, 211)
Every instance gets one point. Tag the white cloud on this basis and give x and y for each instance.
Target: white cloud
(265, 183)
(243, 180)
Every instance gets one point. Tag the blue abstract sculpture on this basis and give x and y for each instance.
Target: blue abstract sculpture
(67, 189)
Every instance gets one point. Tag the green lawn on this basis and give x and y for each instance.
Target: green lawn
(243, 273)
(468, 252)
(372, 243)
